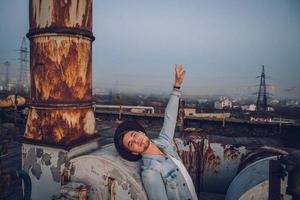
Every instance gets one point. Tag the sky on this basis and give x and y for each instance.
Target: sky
(222, 44)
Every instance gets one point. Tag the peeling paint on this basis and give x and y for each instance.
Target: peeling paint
(231, 153)
(56, 174)
(211, 160)
(59, 125)
(190, 151)
(46, 159)
(72, 170)
(36, 170)
(109, 176)
(61, 69)
(30, 158)
(39, 152)
(89, 123)
(60, 36)
(115, 172)
(69, 13)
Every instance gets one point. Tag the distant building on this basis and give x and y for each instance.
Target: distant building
(125, 108)
(201, 101)
(100, 91)
(274, 102)
(292, 103)
(245, 107)
(189, 111)
(224, 103)
(250, 107)
(192, 112)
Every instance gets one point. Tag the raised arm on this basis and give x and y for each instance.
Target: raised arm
(168, 129)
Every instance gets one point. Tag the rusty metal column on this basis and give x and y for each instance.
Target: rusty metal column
(61, 37)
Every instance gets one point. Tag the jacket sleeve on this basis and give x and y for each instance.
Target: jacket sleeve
(154, 185)
(170, 118)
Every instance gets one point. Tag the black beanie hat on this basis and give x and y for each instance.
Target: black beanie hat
(118, 139)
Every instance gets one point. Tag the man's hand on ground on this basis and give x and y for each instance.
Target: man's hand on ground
(179, 75)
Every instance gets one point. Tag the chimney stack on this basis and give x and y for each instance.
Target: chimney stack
(61, 110)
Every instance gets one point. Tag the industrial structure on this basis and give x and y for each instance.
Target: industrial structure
(61, 71)
(6, 78)
(63, 155)
(261, 103)
(22, 84)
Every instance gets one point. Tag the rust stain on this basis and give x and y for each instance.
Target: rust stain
(210, 160)
(61, 69)
(112, 185)
(64, 126)
(12, 100)
(55, 14)
(192, 157)
(230, 153)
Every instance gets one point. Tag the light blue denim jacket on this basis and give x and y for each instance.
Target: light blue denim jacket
(161, 178)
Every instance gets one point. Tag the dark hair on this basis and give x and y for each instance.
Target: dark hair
(121, 130)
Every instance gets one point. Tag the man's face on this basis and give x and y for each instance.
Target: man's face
(136, 141)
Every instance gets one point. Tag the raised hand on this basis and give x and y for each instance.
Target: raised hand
(179, 75)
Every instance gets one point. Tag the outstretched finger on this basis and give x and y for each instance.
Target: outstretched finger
(182, 74)
(178, 67)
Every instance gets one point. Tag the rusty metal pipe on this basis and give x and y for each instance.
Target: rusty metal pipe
(61, 37)
(12, 100)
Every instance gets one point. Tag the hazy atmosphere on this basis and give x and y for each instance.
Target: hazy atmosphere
(222, 44)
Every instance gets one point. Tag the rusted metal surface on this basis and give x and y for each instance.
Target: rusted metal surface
(12, 100)
(181, 115)
(61, 38)
(190, 151)
(224, 157)
(214, 161)
(112, 177)
(58, 13)
(59, 125)
(75, 191)
(109, 176)
(220, 164)
(61, 69)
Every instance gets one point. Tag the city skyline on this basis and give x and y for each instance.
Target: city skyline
(222, 45)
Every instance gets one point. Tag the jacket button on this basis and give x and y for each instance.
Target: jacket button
(177, 169)
(166, 158)
(183, 184)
